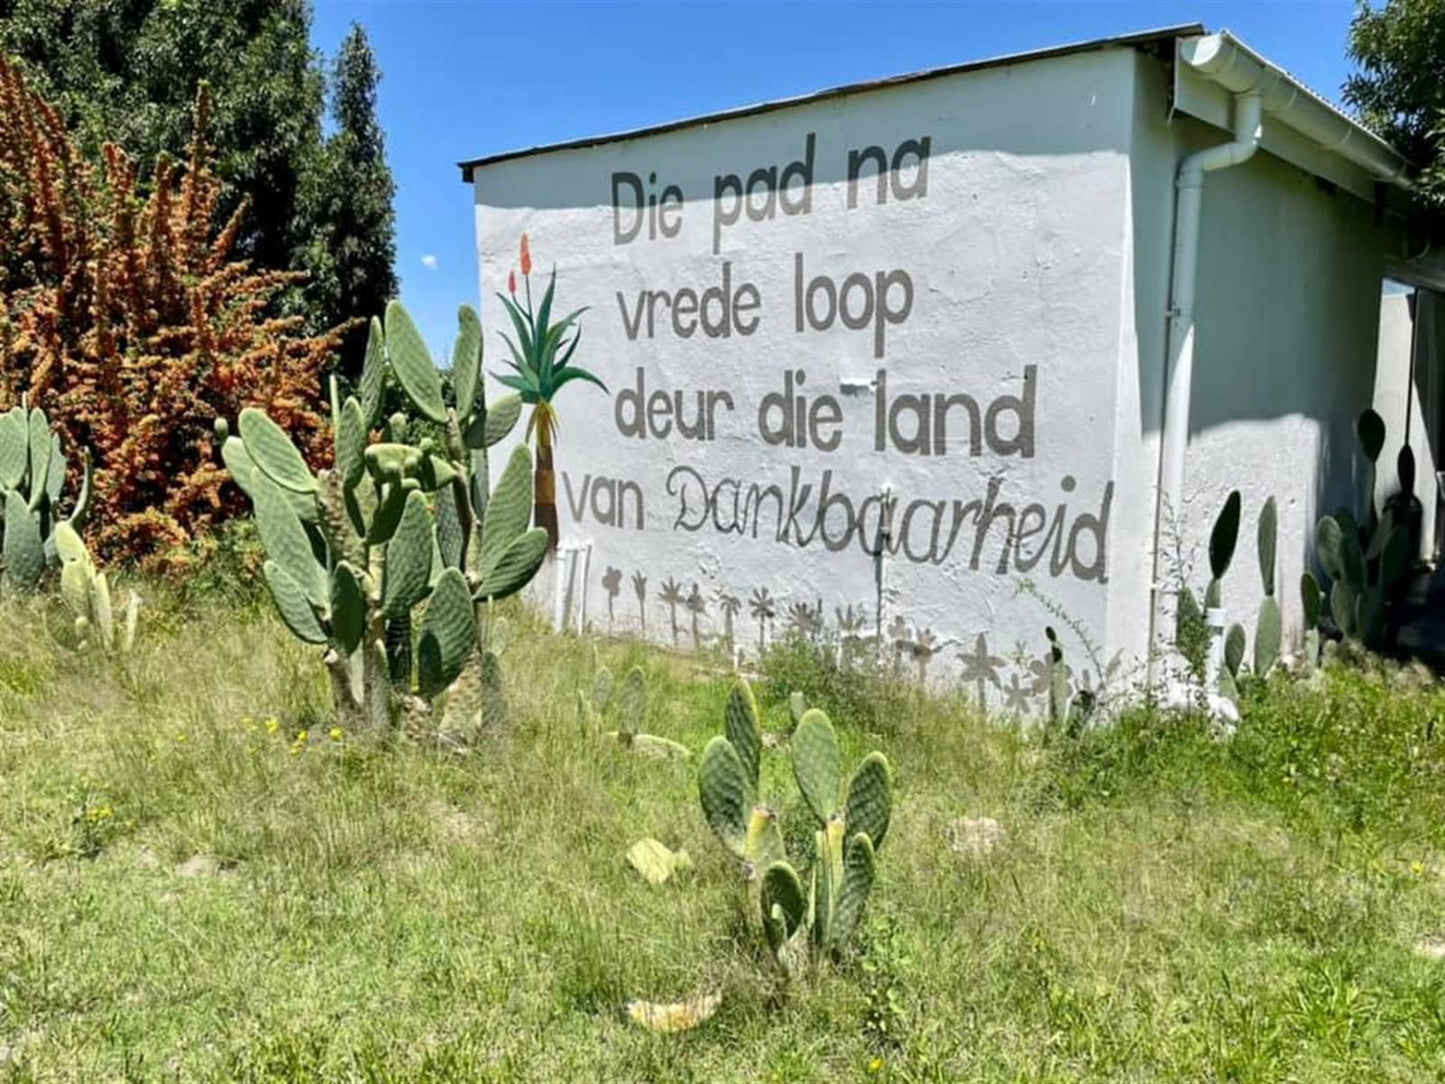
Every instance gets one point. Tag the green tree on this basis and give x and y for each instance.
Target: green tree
(1399, 90)
(351, 249)
(127, 72)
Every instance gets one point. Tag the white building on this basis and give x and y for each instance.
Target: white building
(1034, 306)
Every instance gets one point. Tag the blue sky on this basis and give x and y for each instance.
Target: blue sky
(464, 79)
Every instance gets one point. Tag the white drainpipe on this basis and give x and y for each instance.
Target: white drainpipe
(1189, 190)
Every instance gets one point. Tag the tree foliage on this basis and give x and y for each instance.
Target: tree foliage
(1399, 90)
(128, 319)
(126, 72)
(350, 252)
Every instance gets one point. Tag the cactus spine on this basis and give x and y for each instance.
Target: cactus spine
(354, 553)
(802, 927)
(33, 467)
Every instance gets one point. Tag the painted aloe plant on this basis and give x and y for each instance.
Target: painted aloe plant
(802, 926)
(355, 557)
(33, 467)
(541, 364)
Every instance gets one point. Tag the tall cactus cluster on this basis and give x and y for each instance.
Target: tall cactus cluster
(33, 467)
(802, 927)
(389, 558)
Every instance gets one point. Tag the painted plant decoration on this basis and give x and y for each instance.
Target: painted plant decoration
(730, 605)
(672, 598)
(981, 668)
(612, 584)
(763, 609)
(639, 588)
(541, 367)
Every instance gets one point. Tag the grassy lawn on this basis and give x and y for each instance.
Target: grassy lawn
(188, 893)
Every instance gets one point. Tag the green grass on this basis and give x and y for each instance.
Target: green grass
(182, 897)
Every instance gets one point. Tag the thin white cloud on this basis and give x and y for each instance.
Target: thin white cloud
(429, 261)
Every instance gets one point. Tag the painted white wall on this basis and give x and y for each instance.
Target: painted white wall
(1017, 256)
(1042, 243)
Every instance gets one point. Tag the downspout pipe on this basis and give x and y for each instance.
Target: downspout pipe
(1179, 375)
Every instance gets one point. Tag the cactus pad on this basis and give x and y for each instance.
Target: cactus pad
(742, 730)
(467, 359)
(286, 540)
(273, 452)
(632, 702)
(1234, 649)
(870, 799)
(859, 872)
(1268, 634)
(722, 787)
(448, 634)
(23, 547)
(348, 607)
(817, 763)
(782, 897)
(14, 448)
(408, 560)
(351, 444)
(412, 363)
(294, 607)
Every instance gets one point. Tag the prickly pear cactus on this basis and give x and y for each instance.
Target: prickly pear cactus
(33, 468)
(86, 591)
(802, 926)
(631, 712)
(358, 562)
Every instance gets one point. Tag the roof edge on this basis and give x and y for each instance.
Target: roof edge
(1134, 40)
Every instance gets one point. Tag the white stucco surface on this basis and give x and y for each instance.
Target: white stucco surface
(1036, 252)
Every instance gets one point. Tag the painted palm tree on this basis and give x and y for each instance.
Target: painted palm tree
(763, 609)
(730, 605)
(696, 607)
(612, 584)
(540, 362)
(981, 668)
(672, 596)
(639, 588)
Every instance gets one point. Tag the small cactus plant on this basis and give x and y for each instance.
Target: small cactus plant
(86, 591)
(628, 703)
(802, 928)
(32, 481)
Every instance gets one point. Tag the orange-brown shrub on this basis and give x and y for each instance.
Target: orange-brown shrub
(124, 317)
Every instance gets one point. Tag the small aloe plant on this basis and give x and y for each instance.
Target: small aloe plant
(802, 927)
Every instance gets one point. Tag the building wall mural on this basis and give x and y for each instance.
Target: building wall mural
(862, 364)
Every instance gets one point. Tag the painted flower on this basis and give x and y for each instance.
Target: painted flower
(526, 256)
(511, 282)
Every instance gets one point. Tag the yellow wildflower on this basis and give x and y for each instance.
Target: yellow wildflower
(336, 733)
(272, 725)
